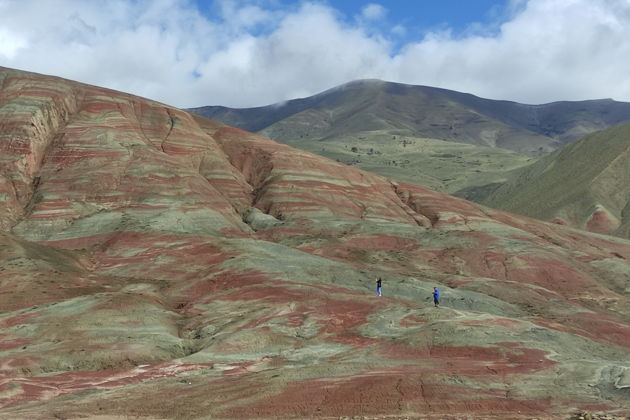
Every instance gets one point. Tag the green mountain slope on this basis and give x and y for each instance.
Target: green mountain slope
(436, 164)
(585, 184)
(422, 111)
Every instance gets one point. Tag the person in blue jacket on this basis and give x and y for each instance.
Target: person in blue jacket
(436, 297)
(378, 287)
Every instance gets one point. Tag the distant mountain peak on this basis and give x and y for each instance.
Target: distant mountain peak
(423, 111)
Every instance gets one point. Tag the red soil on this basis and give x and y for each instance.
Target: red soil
(594, 326)
(412, 392)
(600, 222)
(46, 387)
(11, 343)
(472, 361)
(18, 320)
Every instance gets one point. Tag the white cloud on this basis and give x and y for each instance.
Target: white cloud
(551, 50)
(10, 43)
(238, 16)
(308, 52)
(250, 53)
(373, 11)
(399, 30)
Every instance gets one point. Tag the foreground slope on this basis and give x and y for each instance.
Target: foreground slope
(160, 265)
(585, 184)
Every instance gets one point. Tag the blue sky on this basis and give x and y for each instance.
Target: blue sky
(416, 17)
(244, 53)
(429, 15)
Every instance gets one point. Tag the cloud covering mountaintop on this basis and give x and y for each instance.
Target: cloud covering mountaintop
(246, 53)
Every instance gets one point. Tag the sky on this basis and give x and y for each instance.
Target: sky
(244, 53)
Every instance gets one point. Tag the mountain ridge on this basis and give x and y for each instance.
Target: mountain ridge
(555, 119)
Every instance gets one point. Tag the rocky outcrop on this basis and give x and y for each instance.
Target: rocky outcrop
(168, 266)
(31, 115)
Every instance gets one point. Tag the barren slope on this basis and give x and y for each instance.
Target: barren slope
(159, 265)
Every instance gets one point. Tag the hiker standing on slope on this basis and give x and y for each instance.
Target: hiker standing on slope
(378, 287)
(436, 297)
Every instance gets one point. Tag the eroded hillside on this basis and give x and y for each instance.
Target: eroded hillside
(159, 265)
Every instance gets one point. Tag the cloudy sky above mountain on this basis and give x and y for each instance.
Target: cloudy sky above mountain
(255, 52)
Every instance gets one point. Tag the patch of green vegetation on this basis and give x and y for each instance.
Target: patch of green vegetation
(436, 164)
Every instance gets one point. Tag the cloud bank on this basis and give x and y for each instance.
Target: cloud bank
(244, 53)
